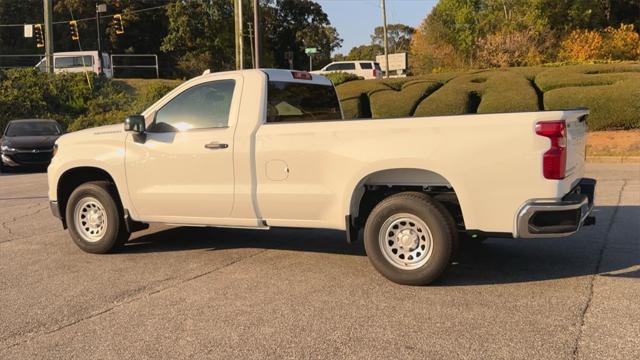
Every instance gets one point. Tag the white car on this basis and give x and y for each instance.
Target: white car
(79, 61)
(366, 69)
(269, 148)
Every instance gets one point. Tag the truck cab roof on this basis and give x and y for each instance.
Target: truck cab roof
(279, 75)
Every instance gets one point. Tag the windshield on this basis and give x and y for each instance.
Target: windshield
(288, 101)
(33, 128)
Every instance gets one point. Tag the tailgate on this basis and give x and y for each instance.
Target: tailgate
(576, 144)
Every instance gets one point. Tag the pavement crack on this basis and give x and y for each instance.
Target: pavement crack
(24, 198)
(592, 278)
(5, 224)
(30, 237)
(128, 301)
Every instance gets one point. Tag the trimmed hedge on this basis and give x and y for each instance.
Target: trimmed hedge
(338, 78)
(610, 91)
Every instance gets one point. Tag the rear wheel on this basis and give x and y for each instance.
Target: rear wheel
(410, 238)
(96, 222)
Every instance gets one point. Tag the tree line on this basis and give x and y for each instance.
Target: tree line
(190, 36)
(193, 35)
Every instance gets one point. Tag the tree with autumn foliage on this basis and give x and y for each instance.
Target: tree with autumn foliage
(493, 33)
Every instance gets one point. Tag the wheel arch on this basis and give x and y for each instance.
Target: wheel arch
(362, 200)
(74, 177)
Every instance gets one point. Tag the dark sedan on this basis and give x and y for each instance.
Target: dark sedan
(28, 143)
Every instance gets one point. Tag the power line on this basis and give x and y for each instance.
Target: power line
(93, 18)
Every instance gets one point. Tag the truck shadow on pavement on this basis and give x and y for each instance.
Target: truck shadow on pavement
(496, 261)
(24, 170)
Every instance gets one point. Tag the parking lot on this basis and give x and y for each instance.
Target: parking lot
(283, 293)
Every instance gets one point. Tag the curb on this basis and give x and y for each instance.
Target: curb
(614, 159)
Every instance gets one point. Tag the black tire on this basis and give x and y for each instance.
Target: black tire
(114, 234)
(440, 225)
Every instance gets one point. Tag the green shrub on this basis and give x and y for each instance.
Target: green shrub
(398, 103)
(611, 92)
(68, 98)
(354, 97)
(338, 78)
(585, 75)
(482, 92)
(615, 106)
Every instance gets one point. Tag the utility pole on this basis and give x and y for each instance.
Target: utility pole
(258, 37)
(237, 12)
(253, 61)
(48, 34)
(100, 8)
(241, 33)
(386, 46)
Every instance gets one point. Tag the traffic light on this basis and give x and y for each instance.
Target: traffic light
(39, 35)
(117, 24)
(73, 28)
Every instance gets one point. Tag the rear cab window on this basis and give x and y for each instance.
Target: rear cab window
(65, 62)
(293, 101)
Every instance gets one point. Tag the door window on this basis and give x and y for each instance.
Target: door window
(341, 66)
(365, 66)
(202, 106)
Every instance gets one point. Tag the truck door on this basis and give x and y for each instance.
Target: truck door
(182, 169)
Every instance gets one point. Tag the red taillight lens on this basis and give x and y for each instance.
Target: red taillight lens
(554, 161)
(301, 75)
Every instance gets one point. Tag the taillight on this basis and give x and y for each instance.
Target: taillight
(554, 161)
(301, 75)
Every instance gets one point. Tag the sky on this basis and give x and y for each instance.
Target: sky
(356, 19)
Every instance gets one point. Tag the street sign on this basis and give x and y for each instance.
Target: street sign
(28, 30)
(101, 8)
(310, 51)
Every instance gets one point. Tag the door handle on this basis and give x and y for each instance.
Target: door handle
(216, 145)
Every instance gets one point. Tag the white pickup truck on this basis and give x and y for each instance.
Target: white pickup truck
(269, 148)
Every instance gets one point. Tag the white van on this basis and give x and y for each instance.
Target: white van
(366, 69)
(78, 61)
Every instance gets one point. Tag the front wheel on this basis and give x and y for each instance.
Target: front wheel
(410, 238)
(95, 220)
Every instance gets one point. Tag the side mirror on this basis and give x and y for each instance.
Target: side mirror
(135, 123)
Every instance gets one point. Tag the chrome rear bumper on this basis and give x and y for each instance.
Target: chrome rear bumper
(545, 218)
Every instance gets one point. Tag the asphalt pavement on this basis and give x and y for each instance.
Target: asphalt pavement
(290, 293)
